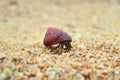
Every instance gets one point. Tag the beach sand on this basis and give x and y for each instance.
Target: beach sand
(94, 26)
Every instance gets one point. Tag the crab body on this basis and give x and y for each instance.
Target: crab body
(57, 36)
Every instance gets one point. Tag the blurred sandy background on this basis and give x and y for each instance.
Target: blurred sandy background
(30, 17)
(23, 24)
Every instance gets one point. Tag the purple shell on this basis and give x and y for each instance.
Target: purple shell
(63, 37)
(54, 36)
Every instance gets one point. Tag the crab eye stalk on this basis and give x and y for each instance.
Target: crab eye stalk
(57, 36)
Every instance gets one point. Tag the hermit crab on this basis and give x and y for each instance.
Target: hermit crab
(57, 36)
